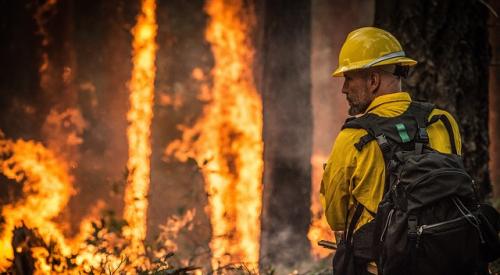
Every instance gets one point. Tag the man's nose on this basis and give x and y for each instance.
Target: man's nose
(344, 88)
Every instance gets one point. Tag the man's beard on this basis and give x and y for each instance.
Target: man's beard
(358, 108)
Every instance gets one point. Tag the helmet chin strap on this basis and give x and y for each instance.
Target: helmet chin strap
(401, 71)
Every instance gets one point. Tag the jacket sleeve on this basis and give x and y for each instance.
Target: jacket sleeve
(334, 192)
(352, 177)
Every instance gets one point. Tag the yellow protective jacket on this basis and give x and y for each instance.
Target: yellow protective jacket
(353, 176)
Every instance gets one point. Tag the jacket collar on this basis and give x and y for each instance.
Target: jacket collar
(388, 98)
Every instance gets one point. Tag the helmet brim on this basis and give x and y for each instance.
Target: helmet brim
(404, 61)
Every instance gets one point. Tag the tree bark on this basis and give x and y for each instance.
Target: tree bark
(22, 110)
(494, 98)
(287, 133)
(450, 40)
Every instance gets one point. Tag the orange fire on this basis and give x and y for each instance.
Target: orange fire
(319, 228)
(46, 189)
(170, 231)
(139, 130)
(47, 185)
(227, 141)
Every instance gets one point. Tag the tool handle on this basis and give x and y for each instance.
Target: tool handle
(328, 244)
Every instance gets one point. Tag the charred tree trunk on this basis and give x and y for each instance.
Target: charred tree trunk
(494, 98)
(22, 110)
(450, 40)
(286, 88)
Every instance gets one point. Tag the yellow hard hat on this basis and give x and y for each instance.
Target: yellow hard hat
(368, 47)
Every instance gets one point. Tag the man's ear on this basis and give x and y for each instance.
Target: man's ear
(374, 80)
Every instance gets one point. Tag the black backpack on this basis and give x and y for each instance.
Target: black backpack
(430, 220)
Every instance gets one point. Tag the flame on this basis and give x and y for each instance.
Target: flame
(170, 231)
(139, 130)
(319, 228)
(227, 141)
(47, 188)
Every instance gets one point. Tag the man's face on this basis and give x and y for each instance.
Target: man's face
(357, 91)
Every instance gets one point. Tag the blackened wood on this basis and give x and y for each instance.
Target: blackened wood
(287, 133)
(21, 106)
(450, 40)
(494, 98)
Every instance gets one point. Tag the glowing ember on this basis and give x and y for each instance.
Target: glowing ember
(46, 190)
(139, 130)
(319, 228)
(227, 141)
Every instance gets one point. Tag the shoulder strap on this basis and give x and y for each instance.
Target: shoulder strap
(420, 111)
(354, 221)
(447, 124)
(366, 122)
(363, 122)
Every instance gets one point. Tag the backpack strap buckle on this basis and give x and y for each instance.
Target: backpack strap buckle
(412, 227)
(383, 143)
(423, 137)
(363, 141)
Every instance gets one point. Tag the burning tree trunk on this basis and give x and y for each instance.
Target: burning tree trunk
(286, 87)
(450, 41)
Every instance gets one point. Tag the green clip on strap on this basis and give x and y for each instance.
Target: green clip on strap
(403, 134)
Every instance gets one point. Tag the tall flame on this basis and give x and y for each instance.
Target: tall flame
(227, 140)
(139, 130)
(319, 228)
(46, 187)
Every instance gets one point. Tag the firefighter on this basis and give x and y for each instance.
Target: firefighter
(372, 63)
